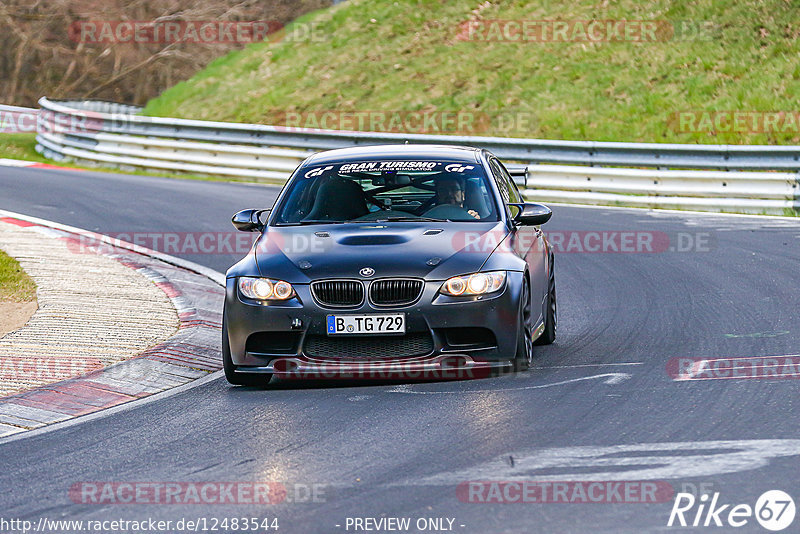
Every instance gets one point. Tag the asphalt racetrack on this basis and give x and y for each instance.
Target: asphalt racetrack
(602, 404)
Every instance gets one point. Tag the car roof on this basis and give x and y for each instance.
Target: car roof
(458, 153)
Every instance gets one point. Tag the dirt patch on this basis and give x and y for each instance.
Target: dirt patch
(14, 315)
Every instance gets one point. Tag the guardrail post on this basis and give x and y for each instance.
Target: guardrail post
(796, 207)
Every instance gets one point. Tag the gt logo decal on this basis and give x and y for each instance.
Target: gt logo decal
(455, 167)
(316, 172)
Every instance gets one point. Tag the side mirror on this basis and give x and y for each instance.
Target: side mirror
(532, 214)
(248, 220)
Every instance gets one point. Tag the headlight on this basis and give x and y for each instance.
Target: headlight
(474, 284)
(265, 289)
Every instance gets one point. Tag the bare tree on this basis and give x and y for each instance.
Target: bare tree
(40, 56)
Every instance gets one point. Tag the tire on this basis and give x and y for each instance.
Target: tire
(550, 311)
(237, 379)
(524, 357)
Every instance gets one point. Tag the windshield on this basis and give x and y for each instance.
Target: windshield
(388, 190)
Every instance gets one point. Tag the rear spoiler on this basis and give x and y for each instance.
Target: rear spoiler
(519, 173)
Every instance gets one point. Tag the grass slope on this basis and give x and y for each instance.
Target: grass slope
(20, 146)
(15, 284)
(404, 55)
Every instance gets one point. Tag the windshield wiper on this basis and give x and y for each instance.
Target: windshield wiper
(420, 219)
(356, 221)
(313, 221)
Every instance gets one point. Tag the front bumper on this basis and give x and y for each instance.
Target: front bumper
(440, 367)
(300, 321)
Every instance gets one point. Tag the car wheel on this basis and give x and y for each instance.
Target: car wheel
(524, 357)
(238, 379)
(551, 311)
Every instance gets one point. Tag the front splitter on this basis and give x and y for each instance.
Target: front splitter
(443, 367)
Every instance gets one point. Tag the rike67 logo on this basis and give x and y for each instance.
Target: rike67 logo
(774, 510)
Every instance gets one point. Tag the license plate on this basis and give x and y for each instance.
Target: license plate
(366, 324)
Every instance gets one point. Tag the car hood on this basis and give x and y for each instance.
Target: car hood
(427, 250)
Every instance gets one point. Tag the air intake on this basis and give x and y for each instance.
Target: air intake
(338, 348)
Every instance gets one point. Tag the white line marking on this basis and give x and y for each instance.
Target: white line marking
(5, 162)
(610, 378)
(637, 461)
(772, 333)
(587, 365)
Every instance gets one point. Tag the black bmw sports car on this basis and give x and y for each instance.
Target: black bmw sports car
(408, 261)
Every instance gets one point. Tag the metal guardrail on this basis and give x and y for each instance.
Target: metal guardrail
(741, 192)
(116, 134)
(17, 109)
(14, 119)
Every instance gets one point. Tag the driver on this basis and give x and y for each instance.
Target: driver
(450, 190)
